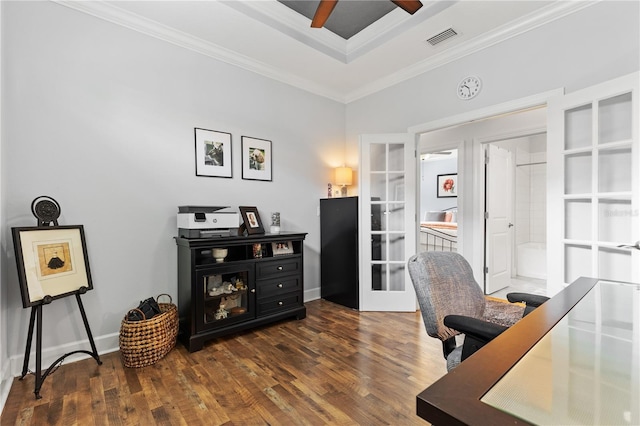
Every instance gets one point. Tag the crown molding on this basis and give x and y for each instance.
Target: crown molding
(267, 10)
(116, 15)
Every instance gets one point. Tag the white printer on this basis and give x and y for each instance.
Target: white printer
(207, 222)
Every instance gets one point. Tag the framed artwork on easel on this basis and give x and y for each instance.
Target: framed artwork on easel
(52, 262)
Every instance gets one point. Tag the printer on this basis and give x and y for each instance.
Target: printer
(207, 222)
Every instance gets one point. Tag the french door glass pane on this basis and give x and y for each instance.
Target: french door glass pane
(396, 247)
(396, 186)
(378, 157)
(577, 262)
(614, 220)
(378, 247)
(577, 169)
(395, 217)
(578, 127)
(396, 280)
(396, 157)
(378, 277)
(615, 119)
(614, 170)
(378, 186)
(577, 219)
(614, 264)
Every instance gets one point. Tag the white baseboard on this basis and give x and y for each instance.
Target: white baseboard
(104, 344)
(312, 294)
(6, 380)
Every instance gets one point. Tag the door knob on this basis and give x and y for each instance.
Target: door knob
(631, 246)
(511, 225)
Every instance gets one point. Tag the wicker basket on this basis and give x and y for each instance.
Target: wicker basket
(145, 342)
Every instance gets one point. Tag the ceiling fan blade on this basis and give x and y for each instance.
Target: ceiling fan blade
(322, 13)
(410, 6)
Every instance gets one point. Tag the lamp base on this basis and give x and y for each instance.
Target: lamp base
(343, 191)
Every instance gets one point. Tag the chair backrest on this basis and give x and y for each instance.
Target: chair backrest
(444, 286)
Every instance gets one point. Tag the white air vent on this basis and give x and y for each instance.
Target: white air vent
(438, 38)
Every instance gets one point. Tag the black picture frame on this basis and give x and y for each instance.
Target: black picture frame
(52, 262)
(251, 219)
(447, 185)
(256, 159)
(213, 153)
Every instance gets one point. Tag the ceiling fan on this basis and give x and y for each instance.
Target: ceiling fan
(326, 7)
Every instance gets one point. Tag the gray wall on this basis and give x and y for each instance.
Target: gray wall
(102, 119)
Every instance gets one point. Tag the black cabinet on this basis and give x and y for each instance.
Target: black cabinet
(339, 273)
(252, 286)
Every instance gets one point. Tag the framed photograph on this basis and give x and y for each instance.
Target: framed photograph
(51, 262)
(447, 185)
(251, 220)
(256, 159)
(213, 153)
(282, 247)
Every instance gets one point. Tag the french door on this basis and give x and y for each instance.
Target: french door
(594, 184)
(387, 221)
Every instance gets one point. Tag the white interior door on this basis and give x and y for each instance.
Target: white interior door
(387, 221)
(594, 183)
(497, 218)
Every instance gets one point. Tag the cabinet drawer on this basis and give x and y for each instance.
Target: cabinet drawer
(274, 287)
(275, 304)
(275, 268)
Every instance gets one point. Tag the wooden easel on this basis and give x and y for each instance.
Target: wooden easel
(47, 211)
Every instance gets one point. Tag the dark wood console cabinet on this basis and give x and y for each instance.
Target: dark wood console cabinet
(260, 281)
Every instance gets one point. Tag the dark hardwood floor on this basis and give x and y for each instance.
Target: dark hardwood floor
(336, 367)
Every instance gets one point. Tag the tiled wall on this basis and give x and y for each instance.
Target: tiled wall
(530, 185)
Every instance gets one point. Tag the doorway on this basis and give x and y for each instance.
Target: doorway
(468, 134)
(515, 222)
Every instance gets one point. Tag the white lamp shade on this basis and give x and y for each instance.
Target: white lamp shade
(344, 175)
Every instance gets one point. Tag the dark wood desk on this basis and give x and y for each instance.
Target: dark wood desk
(455, 398)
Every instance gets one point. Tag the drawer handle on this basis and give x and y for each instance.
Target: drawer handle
(279, 268)
(280, 303)
(280, 285)
(253, 290)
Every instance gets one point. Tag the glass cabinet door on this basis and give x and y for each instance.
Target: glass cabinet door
(227, 297)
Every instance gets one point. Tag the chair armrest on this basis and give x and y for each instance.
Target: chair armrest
(479, 329)
(533, 300)
(477, 332)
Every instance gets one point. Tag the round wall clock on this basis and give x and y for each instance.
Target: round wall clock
(469, 87)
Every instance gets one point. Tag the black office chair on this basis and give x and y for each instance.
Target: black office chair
(451, 303)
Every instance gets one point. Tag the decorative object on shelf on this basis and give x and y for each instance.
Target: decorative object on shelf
(257, 251)
(52, 262)
(251, 219)
(447, 185)
(219, 254)
(256, 159)
(344, 177)
(469, 87)
(329, 191)
(282, 247)
(46, 210)
(221, 313)
(147, 341)
(275, 223)
(213, 153)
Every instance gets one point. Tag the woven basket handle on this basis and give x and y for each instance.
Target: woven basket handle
(144, 317)
(164, 294)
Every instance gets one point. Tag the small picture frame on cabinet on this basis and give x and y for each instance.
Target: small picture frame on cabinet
(281, 248)
(251, 219)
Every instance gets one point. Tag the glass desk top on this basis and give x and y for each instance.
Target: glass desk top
(586, 370)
